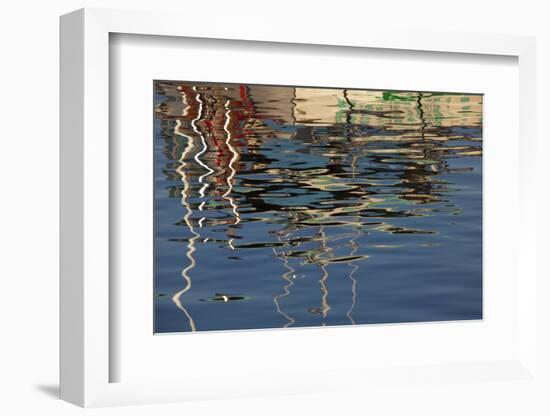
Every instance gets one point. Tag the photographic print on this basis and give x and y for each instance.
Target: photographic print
(291, 206)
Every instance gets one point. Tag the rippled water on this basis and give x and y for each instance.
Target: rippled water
(289, 206)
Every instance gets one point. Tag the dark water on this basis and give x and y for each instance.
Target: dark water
(289, 207)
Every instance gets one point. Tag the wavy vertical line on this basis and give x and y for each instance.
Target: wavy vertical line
(286, 291)
(354, 267)
(176, 298)
(234, 158)
(420, 109)
(203, 150)
(235, 155)
(353, 165)
(324, 290)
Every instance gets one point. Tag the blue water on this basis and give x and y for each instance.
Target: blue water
(290, 207)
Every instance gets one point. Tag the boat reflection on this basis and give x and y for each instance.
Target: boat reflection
(316, 169)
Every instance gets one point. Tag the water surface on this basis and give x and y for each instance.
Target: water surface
(292, 206)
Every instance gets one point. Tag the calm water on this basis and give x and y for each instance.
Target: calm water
(290, 207)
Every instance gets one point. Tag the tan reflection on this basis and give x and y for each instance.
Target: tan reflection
(325, 307)
(354, 268)
(286, 289)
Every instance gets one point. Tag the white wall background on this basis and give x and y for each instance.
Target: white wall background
(29, 188)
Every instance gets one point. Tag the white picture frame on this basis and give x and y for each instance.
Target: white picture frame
(85, 202)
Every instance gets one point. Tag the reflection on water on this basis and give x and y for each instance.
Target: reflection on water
(291, 206)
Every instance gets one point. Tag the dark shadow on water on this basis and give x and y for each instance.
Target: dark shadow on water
(51, 390)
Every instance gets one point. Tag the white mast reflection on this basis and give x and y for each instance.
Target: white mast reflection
(191, 243)
(234, 158)
(189, 211)
(205, 186)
